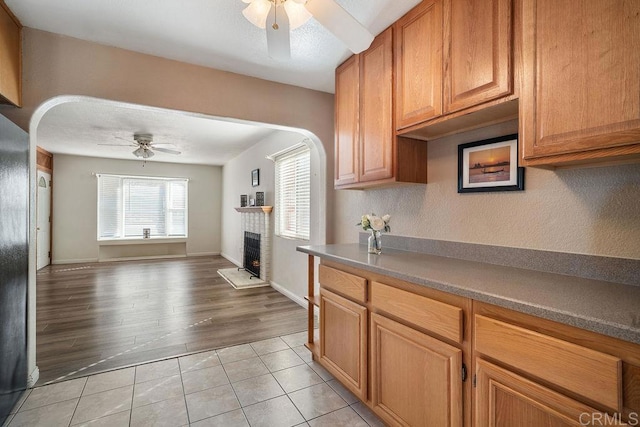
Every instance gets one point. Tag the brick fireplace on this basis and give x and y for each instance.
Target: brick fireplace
(256, 220)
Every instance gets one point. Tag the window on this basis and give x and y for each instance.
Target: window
(129, 204)
(293, 192)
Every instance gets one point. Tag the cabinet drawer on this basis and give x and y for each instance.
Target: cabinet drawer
(347, 284)
(586, 372)
(438, 317)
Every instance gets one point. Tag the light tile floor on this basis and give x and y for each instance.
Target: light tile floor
(269, 383)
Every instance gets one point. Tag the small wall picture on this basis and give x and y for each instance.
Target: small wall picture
(243, 200)
(259, 198)
(490, 165)
(255, 177)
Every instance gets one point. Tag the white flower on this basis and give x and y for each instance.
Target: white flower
(377, 223)
(374, 222)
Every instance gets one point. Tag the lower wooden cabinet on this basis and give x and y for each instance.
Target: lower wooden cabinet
(505, 399)
(343, 341)
(402, 349)
(415, 379)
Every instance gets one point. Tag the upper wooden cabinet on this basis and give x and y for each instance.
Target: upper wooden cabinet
(419, 64)
(347, 122)
(478, 56)
(10, 58)
(376, 110)
(452, 55)
(367, 152)
(580, 98)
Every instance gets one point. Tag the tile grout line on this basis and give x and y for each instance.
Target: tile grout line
(234, 390)
(78, 402)
(184, 394)
(215, 353)
(135, 375)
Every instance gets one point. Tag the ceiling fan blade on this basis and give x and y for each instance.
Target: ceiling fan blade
(120, 145)
(278, 43)
(341, 24)
(165, 150)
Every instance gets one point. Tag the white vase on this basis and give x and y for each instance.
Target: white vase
(374, 243)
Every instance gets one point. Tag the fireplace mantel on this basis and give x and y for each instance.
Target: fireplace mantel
(250, 209)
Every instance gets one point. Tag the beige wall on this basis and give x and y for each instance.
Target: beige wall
(589, 211)
(55, 65)
(75, 204)
(288, 268)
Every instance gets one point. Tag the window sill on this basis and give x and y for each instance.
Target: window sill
(138, 241)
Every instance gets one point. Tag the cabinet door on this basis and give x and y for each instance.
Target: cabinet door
(343, 341)
(10, 59)
(504, 399)
(346, 122)
(581, 76)
(376, 112)
(478, 60)
(419, 64)
(416, 379)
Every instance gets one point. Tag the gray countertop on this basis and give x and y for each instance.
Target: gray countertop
(608, 308)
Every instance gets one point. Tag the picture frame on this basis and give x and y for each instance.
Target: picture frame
(243, 200)
(490, 165)
(255, 177)
(259, 198)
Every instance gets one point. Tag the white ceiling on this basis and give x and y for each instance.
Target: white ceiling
(79, 128)
(211, 33)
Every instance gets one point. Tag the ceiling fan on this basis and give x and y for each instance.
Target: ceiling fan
(145, 145)
(278, 17)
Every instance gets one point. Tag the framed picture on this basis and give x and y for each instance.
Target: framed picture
(259, 198)
(243, 200)
(255, 177)
(490, 165)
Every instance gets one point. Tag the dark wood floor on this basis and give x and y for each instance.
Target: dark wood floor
(101, 316)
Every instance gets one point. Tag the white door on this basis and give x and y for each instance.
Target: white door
(43, 236)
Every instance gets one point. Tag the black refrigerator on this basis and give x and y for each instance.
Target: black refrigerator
(14, 263)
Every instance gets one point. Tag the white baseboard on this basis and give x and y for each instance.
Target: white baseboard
(287, 293)
(74, 261)
(231, 259)
(140, 258)
(130, 258)
(203, 254)
(33, 377)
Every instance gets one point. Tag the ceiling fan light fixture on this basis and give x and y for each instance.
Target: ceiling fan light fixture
(297, 13)
(145, 153)
(138, 152)
(257, 12)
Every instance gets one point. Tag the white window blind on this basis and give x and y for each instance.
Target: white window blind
(127, 205)
(293, 193)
